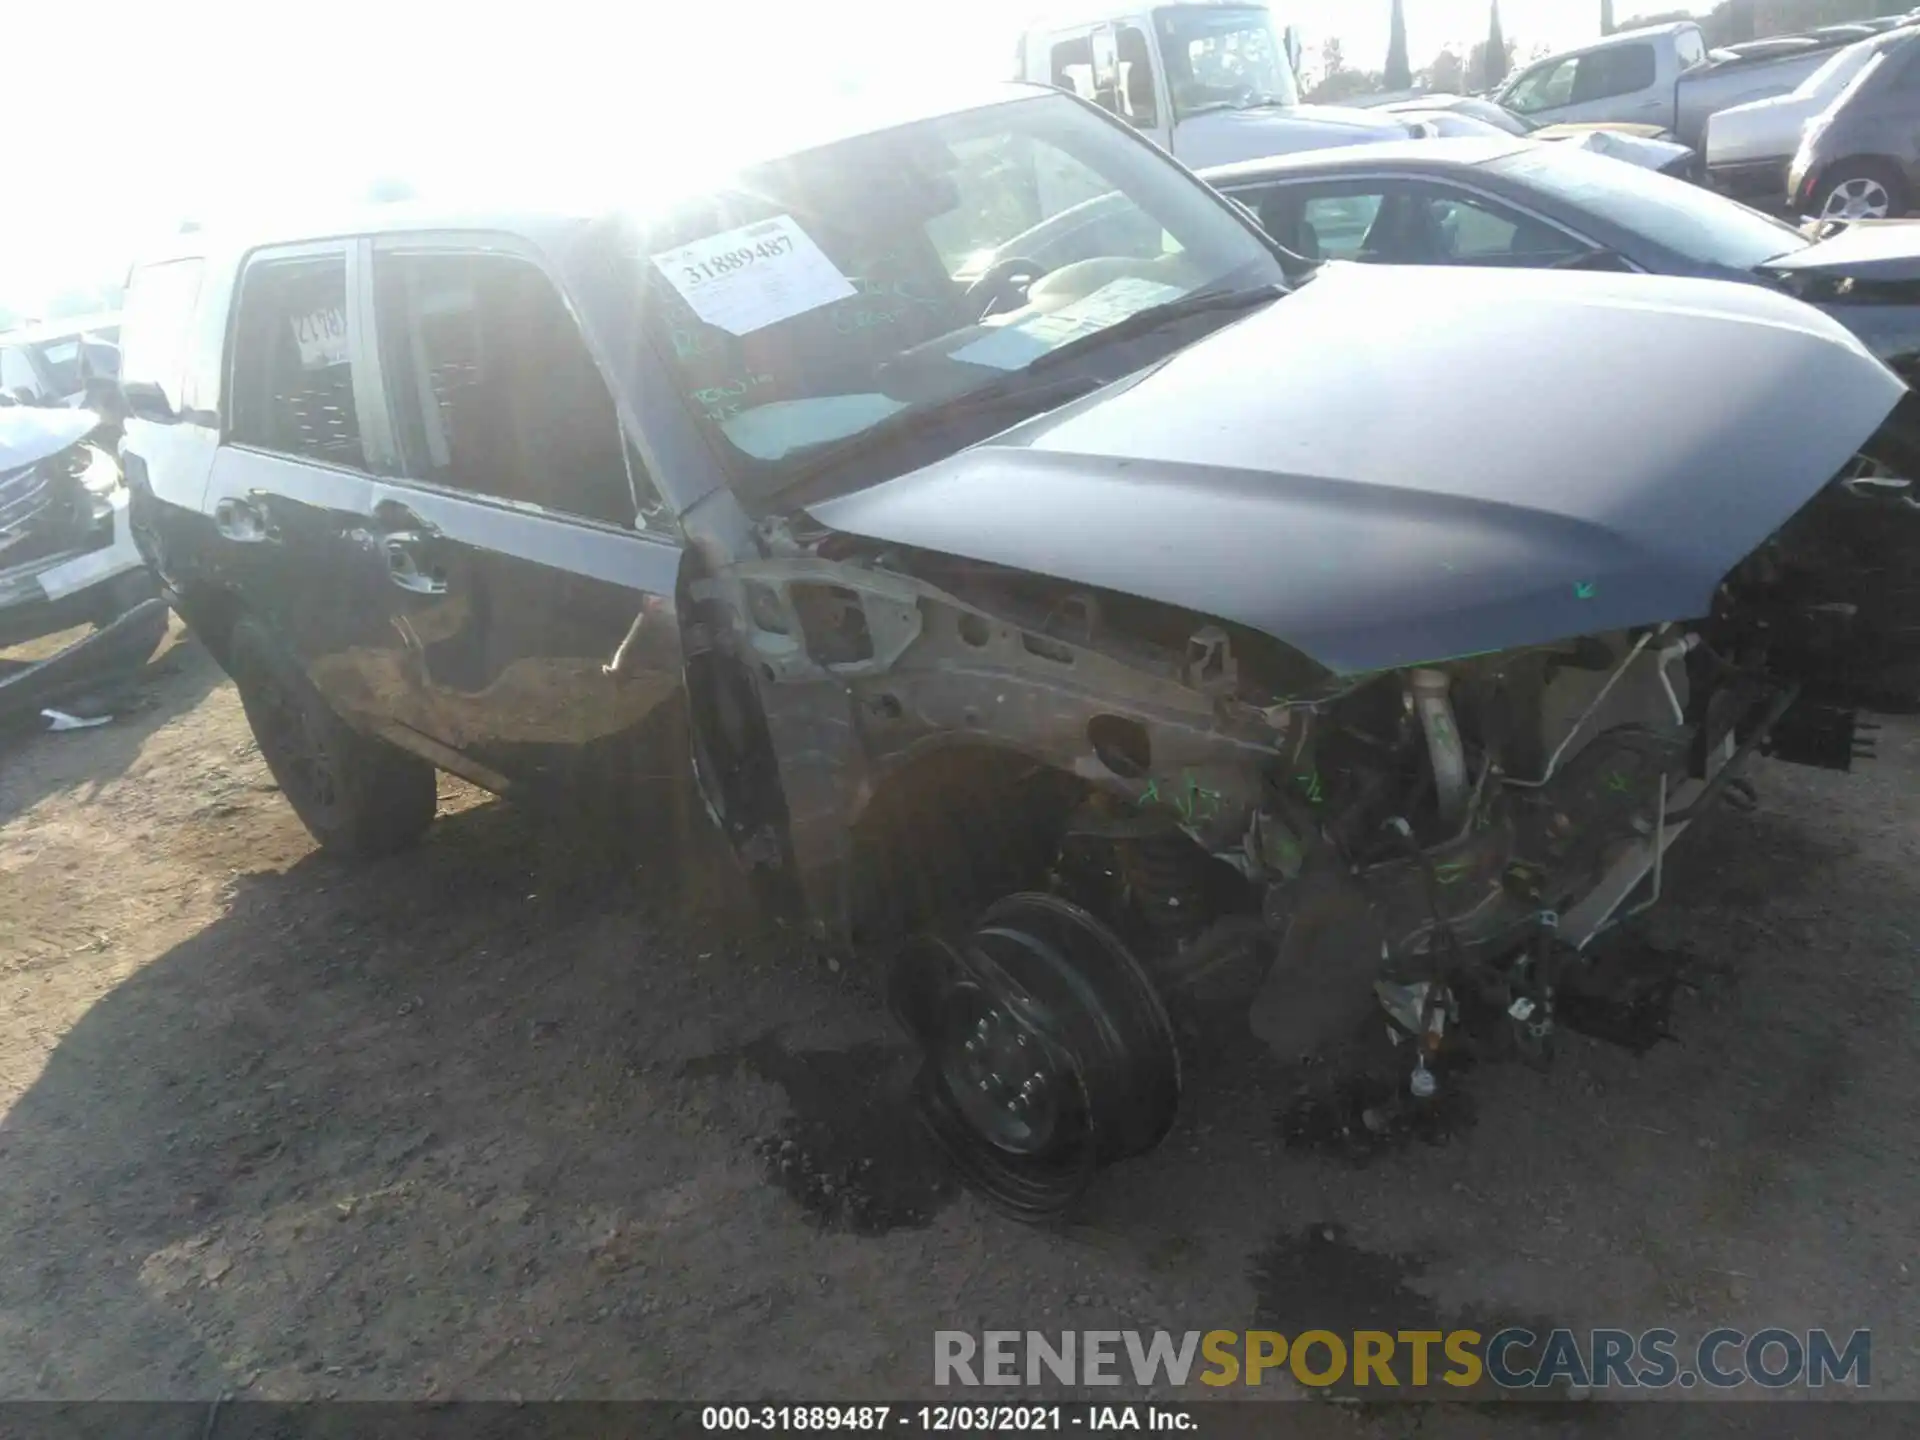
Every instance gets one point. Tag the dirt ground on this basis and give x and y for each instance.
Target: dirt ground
(528, 1114)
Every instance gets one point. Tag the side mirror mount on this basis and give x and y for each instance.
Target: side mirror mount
(142, 400)
(103, 397)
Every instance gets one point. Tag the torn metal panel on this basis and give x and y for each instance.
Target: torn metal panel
(108, 653)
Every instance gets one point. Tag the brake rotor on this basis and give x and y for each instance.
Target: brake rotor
(1048, 1052)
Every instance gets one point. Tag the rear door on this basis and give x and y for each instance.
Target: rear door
(529, 563)
(291, 484)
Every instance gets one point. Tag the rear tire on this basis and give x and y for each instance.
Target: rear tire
(1861, 190)
(358, 796)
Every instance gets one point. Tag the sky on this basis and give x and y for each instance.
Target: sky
(150, 113)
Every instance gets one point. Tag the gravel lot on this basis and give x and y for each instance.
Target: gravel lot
(531, 1114)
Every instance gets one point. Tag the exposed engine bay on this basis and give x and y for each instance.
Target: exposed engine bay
(1063, 814)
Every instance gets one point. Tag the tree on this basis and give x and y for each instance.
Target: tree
(1445, 76)
(1337, 82)
(1399, 73)
(1494, 55)
(1333, 59)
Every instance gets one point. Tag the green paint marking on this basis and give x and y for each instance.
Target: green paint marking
(1583, 589)
(1310, 782)
(1451, 873)
(1619, 783)
(1200, 803)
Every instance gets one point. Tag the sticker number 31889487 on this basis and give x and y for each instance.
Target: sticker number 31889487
(748, 278)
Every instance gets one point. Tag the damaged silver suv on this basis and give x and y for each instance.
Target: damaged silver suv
(1166, 618)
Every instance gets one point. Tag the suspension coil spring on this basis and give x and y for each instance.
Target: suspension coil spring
(1167, 878)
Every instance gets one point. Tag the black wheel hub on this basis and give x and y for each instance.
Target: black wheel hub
(1049, 1053)
(1002, 1074)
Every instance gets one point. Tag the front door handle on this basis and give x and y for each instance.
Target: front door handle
(244, 522)
(409, 565)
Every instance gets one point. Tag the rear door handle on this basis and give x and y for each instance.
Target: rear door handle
(409, 544)
(410, 563)
(244, 522)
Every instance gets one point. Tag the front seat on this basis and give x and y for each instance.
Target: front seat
(1284, 218)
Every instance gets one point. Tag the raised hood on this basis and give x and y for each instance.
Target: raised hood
(1402, 465)
(1222, 137)
(1886, 251)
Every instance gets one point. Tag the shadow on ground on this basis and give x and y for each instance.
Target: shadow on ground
(530, 1112)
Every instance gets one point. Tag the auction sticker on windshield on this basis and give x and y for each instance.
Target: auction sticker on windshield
(746, 279)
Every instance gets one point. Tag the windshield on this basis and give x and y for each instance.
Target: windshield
(1830, 77)
(1223, 57)
(816, 296)
(1696, 223)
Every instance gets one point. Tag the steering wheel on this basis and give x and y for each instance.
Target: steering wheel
(1003, 281)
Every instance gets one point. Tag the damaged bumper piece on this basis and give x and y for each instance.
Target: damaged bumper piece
(1283, 681)
(67, 558)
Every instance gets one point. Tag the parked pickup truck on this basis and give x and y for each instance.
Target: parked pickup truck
(1209, 82)
(1659, 75)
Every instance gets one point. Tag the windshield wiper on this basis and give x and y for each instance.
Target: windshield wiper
(1012, 392)
(1155, 317)
(1264, 100)
(1019, 391)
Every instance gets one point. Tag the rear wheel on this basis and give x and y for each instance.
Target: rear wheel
(1861, 190)
(357, 796)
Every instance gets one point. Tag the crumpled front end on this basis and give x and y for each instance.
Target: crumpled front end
(1086, 797)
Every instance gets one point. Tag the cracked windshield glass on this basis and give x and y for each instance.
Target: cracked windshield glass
(802, 305)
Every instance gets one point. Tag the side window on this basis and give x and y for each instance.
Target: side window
(1620, 70)
(60, 362)
(17, 377)
(1690, 49)
(1545, 87)
(494, 391)
(157, 324)
(1463, 231)
(1319, 224)
(1071, 66)
(292, 362)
